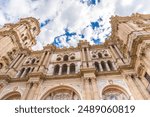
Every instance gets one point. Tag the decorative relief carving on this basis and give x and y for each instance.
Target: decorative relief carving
(114, 94)
(63, 94)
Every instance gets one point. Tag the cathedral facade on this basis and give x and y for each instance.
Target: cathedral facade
(118, 69)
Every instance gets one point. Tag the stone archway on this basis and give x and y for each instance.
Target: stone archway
(114, 92)
(61, 93)
(12, 96)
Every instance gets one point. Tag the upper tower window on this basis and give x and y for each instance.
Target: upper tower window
(99, 55)
(72, 68)
(64, 69)
(34, 28)
(110, 65)
(97, 66)
(56, 70)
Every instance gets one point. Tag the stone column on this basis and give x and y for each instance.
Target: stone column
(89, 57)
(95, 90)
(37, 91)
(100, 66)
(19, 61)
(60, 70)
(121, 56)
(114, 66)
(133, 88)
(83, 58)
(143, 90)
(16, 59)
(114, 53)
(87, 89)
(76, 68)
(68, 69)
(108, 69)
(24, 73)
(147, 65)
(1, 86)
(26, 92)
(49, 58)
(145, 82)
(32, 91)
(41, 59)
(42, 67)
(46, 58)
(41, 62)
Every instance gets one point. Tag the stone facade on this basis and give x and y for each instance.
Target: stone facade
(119, 69)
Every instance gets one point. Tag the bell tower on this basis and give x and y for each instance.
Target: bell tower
(15, 37)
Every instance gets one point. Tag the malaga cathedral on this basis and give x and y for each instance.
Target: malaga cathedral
(118, 69)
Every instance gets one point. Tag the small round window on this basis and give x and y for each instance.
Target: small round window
(106, 54)
(72, 58)
(27, 62)
(94, 56)
(58, 59)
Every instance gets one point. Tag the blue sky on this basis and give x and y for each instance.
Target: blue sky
(65, 22)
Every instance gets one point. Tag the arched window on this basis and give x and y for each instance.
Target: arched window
(32, 69)
(97, 66)
(66, 58)
(21, 72)
(56, 69)
(34, 28)
(99, 55)
(33, 61)
(64, 69)
(104, 66)
(5, 60)
(110, 65)
(72, 68)
(27, 71)
(24, 39)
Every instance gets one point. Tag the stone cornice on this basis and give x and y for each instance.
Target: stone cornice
(66, 76)
(87, 70)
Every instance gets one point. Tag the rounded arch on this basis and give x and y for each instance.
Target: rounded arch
(15, 95)
(61, 93)
(20, 72)
(27, 71)
(104, 66)
(99, 55)
(65, 58)
(110, 65)
(56, 69)
(64, 69)
(97, 66)
(72, 68)
(33, 61)
(115, 92)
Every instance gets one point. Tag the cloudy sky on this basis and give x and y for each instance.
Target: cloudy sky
(65, 22)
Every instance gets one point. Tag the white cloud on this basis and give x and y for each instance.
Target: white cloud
(126, 2)
(69, 14)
